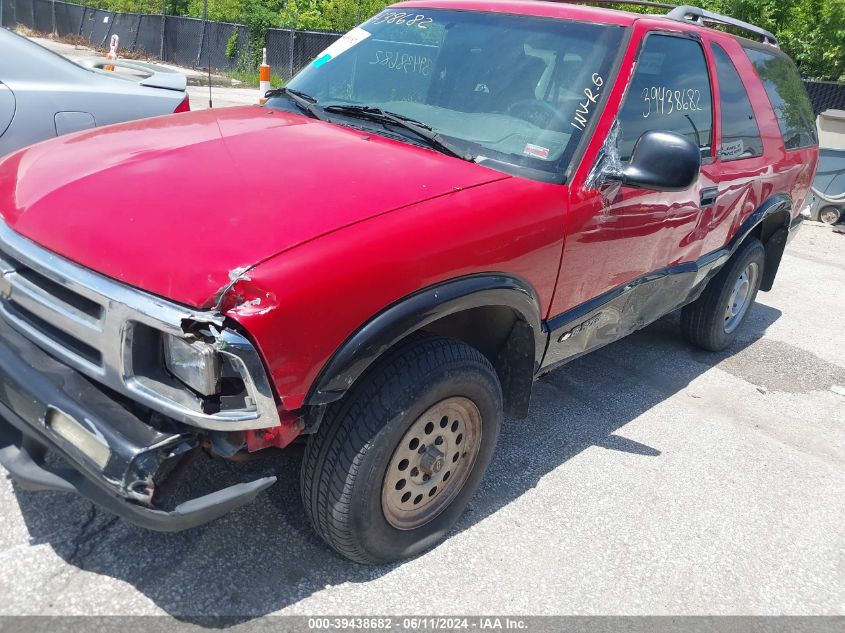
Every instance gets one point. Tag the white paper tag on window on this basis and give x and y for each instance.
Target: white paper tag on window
(355, 36)
(732, 149)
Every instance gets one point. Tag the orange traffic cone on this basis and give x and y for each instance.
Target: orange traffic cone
(263, 77)
(112, 54)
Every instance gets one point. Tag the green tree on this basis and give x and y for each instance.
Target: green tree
(335, 15)
(304, 14)
(811, 32)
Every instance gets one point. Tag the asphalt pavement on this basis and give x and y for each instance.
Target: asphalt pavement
(650, 478)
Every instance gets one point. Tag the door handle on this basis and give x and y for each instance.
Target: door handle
(708, 196)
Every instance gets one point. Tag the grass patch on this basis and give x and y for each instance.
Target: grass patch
(249, 78)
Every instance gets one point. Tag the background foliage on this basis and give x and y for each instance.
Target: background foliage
(811, 31)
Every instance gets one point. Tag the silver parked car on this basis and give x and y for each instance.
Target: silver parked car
(42, 94)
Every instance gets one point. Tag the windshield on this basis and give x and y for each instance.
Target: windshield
(514, 92)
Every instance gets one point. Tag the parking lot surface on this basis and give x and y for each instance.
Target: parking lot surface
(650, 478)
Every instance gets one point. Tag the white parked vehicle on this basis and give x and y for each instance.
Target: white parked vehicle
(826, 202)
(42, 94)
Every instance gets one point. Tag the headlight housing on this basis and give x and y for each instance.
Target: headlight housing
(195, 363)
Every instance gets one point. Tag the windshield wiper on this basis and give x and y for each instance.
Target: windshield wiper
(304, 101)
(422, 130)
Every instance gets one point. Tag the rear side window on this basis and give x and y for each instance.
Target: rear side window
(670, 91)
(740, 133)
(788, 97)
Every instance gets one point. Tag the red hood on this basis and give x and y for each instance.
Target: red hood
(173, 204)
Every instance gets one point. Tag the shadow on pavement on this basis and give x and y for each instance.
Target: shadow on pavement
(265, 557)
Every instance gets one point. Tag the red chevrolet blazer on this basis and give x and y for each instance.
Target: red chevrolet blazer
(451, 200)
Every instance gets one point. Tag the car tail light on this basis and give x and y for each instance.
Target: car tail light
(184, 105)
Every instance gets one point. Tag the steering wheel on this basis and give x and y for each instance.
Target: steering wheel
(537, 112)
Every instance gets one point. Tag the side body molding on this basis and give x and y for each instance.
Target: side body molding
(421, 309)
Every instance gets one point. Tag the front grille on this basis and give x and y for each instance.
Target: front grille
(15, 312)
(72, 300)
(90, 322)
(66, 322)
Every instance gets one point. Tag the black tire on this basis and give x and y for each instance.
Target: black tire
(346, 460)
(703, 322)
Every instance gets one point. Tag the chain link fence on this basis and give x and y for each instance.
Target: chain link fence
(184, 41)
(197, 43)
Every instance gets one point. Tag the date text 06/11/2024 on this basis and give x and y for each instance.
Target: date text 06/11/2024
(425, 623)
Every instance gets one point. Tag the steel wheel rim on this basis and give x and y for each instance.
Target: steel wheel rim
(740, 298)
(431, 463)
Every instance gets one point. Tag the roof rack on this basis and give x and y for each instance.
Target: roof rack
(688, 14)
(700, 16)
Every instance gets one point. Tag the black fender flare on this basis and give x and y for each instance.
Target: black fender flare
(777, 204)
(411, 313)
(773, 235)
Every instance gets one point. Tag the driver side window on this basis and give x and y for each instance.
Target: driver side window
(670, 91)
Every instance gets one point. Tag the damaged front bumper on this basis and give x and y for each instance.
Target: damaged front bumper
(115, 335)
(108, 454)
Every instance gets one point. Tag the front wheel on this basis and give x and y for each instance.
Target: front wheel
(712, 321)
(394, 464)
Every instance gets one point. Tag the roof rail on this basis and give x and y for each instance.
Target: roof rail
(636, 3)
(688, 14)
(700, 16)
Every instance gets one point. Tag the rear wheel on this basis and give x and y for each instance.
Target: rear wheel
(394, 464)
(712, 322)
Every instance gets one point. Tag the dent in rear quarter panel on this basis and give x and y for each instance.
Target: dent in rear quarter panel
(807, 162)
(326, 289)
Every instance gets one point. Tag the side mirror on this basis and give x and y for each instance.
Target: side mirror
(661, 161)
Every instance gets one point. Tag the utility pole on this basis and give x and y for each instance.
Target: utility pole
(202, 33)
(163, 20)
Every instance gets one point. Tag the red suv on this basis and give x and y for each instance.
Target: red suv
(450, 201)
